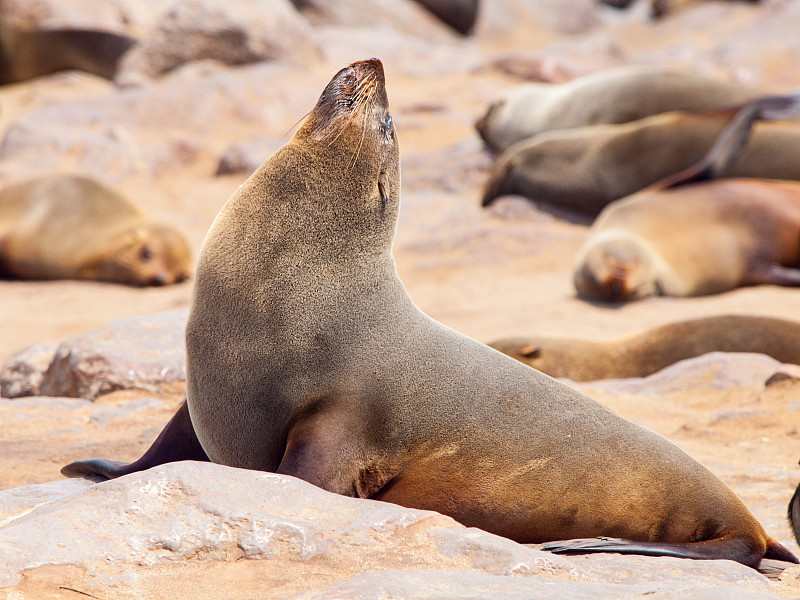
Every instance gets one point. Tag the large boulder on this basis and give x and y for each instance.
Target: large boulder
(144, 353)
(235, 32)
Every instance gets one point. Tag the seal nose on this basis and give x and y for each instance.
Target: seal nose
(372, 66)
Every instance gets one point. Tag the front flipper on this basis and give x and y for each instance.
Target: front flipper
(177, 441)
(326, 447)
(740, 549)
(733, 140)
(794, 514)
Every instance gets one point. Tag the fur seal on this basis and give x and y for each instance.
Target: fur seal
(688, 236)
(611, 96)
(73, 227)
(586, 168)
(306, 357)
(25, 54)
(696, 240)
(651, 350)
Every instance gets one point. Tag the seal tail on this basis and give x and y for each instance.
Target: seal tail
(741, 549)
(177, 441)
(733, 140)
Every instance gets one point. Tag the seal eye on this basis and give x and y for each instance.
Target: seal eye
(145, 254)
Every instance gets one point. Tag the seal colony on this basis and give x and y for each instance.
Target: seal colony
(587, 168)
(73, 227)
(688, 236)
(606, 97)
(306, 357)
(648, 351)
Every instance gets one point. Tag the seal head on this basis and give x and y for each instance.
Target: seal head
(617, 267)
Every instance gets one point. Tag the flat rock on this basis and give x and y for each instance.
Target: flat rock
(715, 370)
(145, 353)
(203, 514)
(201, 511)
(469, 585)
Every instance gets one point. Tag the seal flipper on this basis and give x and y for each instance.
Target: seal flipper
(322, 449)
(794, 513)
(740, 549)
(177, 441)
(733, 140)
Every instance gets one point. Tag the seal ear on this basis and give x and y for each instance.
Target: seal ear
(531, 351)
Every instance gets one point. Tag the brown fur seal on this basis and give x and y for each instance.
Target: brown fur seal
(651, 350)
(587, 168)
(25, 54)
(72, 227)
(305, 356)
(610, 96)
(692, 241)
(683, 238)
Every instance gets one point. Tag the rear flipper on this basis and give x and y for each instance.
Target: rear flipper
(177, 441)
(740, 549)
(794, 514)
(733, 140)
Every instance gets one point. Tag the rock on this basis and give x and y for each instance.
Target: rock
(123, 16)
(398, 15)
(145, 353)
(22, 374)
(235, 32)
(205, 512)
(400, 51)
(159, 127)
(470, 585)
(539, 17)
(42, 434)
(246, 157)
(715, 370)
(133, 532)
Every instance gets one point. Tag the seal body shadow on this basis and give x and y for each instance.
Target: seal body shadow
(305, 356)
